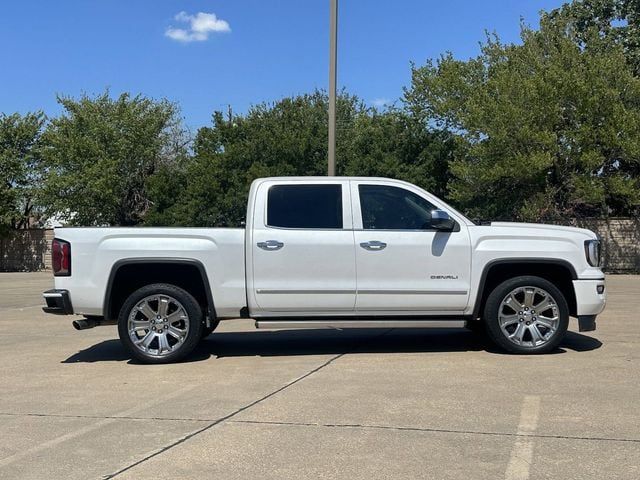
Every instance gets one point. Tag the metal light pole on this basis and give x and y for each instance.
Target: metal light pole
(333, 56)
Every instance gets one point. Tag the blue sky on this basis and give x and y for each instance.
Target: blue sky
(247, 52)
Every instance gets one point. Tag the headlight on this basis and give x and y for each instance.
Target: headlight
(592, 252)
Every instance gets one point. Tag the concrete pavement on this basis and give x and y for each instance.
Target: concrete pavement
(316, 404)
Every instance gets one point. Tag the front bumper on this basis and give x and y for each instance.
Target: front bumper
(591, 298)
(58, 302)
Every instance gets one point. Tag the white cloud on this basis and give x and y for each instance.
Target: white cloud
(380, 102)
(199, 27)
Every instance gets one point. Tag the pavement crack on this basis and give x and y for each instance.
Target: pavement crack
(184, 438)
(223, 419)
(103, 417)
(435, 430)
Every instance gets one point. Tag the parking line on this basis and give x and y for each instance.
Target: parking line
(522, 452)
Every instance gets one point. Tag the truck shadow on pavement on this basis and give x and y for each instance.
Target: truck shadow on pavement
(328, 342)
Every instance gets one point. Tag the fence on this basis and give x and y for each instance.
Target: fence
(29, 250)
(26, 250)
(620, 242)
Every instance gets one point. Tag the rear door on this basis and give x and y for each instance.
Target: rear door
(404, 265)
(302, 250)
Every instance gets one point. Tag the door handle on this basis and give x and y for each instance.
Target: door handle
(270, 245)
(373, 245)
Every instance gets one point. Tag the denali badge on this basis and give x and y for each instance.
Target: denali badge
(444, 277)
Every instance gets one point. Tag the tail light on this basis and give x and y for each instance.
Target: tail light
(61, 258)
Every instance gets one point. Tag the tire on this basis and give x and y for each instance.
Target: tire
(160, 323)
(515, 319)
(206, 331)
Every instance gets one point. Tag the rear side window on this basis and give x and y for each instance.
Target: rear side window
(392, 208)
(305, 206)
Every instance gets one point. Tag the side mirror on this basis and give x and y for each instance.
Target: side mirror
(440, 220)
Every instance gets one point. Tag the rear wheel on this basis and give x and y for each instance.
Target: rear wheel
(160, 323)
(526, 315)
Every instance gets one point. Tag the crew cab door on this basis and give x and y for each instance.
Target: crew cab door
(403, 264)
(301, 255)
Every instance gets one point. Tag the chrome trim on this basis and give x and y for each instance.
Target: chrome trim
(340, 324)
(270, 245)
(304, 292)
(52, 295)
(413, 292)
(373, 245)
(365, 292)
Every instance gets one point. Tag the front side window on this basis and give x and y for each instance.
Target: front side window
(305, 206)
(392, 208)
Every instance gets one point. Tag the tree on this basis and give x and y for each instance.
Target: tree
(394, 144)
(617, 21)
(100, 154)
(289, 138)
(19, 168)
(545, 129)
(285, 138)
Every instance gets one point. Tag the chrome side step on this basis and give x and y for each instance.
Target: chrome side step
(340, 324)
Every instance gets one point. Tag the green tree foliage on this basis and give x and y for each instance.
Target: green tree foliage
(616, 21)
(393, 144)
(100, 154)
(19, 168)
(290, 138)
(549, 128)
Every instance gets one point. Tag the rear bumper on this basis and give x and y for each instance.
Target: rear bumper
(591, 298)
(58, 302)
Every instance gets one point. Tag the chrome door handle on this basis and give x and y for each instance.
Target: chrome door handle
(270, 245)
(373, 245)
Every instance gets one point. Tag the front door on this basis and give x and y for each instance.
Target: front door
(403, 265)
(303, 257)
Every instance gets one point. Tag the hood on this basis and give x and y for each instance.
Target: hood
(543, 226)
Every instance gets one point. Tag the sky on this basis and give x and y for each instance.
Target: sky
(207, 55)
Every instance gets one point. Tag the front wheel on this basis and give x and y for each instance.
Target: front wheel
(160, 323)
(526, 315)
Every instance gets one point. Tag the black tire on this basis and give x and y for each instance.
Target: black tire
(193, 330)
(492, 322)
(206, 331)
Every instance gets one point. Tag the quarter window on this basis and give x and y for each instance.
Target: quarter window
(305, 206)
(392, 208)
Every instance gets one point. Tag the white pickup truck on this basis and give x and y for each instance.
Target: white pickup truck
(330, 252)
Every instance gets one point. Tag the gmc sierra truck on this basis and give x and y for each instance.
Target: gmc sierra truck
(330, 252)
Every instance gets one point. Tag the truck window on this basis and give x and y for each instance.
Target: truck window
(305, 206)
(392, 208)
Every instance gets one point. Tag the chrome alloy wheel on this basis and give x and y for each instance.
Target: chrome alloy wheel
(529, 316)
(158, 325)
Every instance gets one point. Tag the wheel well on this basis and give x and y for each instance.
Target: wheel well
(128, 277)
(558, 274)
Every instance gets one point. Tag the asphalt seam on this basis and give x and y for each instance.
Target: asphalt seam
(434, 430)
(234, 413)
(222, 419)
(328, 425)
(103, 417)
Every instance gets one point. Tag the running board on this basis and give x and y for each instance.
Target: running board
(340, 324)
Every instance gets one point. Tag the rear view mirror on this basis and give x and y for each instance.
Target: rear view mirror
(440, 220)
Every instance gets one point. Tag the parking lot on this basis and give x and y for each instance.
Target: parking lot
(316, 404)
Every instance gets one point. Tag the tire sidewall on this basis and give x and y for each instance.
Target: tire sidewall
(493, 304)
(190, 305)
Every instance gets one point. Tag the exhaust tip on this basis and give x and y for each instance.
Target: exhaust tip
(83, 324)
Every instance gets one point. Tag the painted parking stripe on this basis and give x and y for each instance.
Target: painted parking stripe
(522, 452)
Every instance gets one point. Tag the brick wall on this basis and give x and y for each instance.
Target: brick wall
(620, 242)
(29, 250)
(26, 250)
